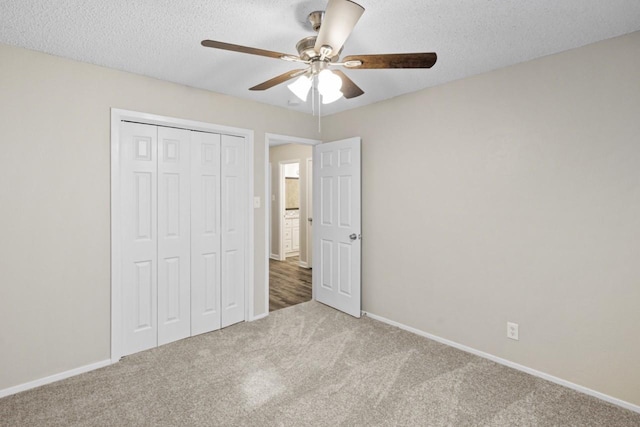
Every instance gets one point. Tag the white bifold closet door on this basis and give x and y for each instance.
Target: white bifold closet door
(234, 249)
(139, 240)
(174, 251)
(205, 232)
(184, 205)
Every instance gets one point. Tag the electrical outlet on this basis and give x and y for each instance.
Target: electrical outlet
(512, 331)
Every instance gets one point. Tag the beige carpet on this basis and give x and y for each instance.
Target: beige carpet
(308, 365)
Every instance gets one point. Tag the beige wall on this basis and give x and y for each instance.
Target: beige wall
(278, 154)
(513, 196)
(54, 199)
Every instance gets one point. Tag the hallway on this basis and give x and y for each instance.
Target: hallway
(289, 284)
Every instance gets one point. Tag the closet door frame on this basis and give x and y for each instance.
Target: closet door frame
(117, 117)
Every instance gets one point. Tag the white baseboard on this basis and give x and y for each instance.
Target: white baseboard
(505, 362)
(303, 264)
(53, 378)
(274, 256)
(258, 317)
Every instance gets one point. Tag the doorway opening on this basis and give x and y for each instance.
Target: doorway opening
(290, 219)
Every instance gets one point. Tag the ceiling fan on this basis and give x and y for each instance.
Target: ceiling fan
(321, 54)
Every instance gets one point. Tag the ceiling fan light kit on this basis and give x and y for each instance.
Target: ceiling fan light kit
(321, 52)
(330, 97)
(329, 86)
(301, 87)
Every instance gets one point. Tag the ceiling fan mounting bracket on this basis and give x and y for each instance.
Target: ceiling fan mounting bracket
(315, 19)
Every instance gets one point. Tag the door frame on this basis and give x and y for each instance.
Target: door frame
(281, 206)
(271, 140)
(308, 225)
(119, 115)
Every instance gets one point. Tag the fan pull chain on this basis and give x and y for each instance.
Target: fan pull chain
(319, 115)
(313, 96)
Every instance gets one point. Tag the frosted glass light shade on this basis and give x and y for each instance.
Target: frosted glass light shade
(333, 96)
(300, 87)
(328, 82)
(329, 86)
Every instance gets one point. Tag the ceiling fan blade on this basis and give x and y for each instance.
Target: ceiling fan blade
(349, 88)
(392, 60)
(339, 20)
(244, 49)
(279, 79)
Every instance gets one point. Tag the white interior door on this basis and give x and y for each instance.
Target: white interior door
(234, 228)
(138, 240)
(174, 236)
(205, 232)
(337, 225)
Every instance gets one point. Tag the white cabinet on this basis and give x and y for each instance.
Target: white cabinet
(291, 233)
(295, 235)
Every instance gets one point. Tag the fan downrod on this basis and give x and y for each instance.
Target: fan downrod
(306, 46)
(315, 19)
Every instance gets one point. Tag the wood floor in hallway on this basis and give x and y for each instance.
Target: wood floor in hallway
(289, 284)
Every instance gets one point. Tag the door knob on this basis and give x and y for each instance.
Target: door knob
(353, 236)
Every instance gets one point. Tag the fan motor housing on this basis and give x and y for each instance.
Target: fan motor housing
(305, 48)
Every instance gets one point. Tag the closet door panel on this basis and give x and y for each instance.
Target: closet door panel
(205, 232)
(174, 235)
(234, 207)
(138, 177)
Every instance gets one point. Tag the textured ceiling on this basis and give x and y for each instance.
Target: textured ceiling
(161, 38)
